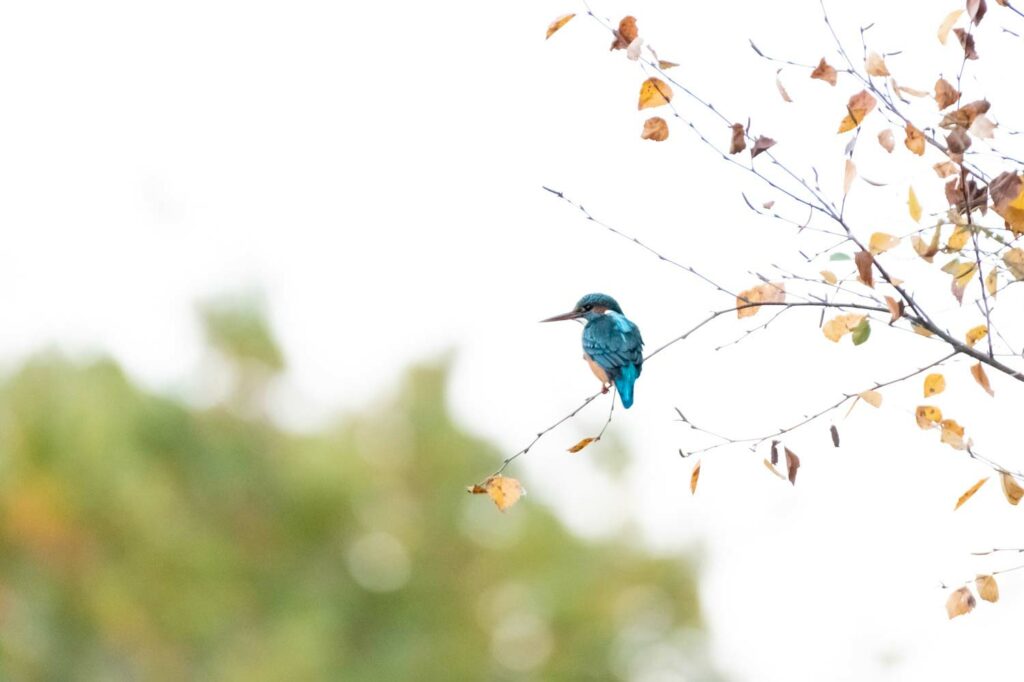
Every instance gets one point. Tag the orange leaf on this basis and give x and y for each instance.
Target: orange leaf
(987, 588)
(895, 307)
(969, 493)
(1011, 488)
(626, 33)
(665, 65)
(864, 260)
(693, 477)
(963, 116)
(655, 128)
(945, 94)
(504, 491)
(934, 384)
(582, 444)
(557, 24)
(654, 93)
(829, 276)
(739, 142)
(887, 140)
(859, 106)
(978, 372)
(961, 601)
(928, 416)
(914, 140)
(824, 72)
(975, 334)
(774, 292)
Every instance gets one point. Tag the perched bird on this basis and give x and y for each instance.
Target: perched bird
(612, 344)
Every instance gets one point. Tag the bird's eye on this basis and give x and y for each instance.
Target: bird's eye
(588, 306)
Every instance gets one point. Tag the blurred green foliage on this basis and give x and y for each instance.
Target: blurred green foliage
(144, 539)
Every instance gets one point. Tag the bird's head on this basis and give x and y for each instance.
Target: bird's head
(589, 307)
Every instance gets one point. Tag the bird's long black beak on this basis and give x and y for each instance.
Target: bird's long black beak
(571, 315)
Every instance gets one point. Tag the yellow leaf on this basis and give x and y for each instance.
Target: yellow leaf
(970, 493)
(952, 434)
(927, 416)
(992, 282)
(829, 276)
(582, 444)
(1007, 192)
(946, 26)
(987, 588)
(841, 325)
(693, 477)
(882, 242)
(655, 128)
(975, 334)
(772, 469)
(927, 251)
(934, 384)
(654, 92)
(923, 331)
(872, 398)
(914, 140)
(859, 106)
(1014, 259)
(978, 372)
(961, 601)
(557, 24)
(849, 174)
(1011, 488)
(959, 238)
(773, 292)
(915, 206)
(504, 491)
(875, 65)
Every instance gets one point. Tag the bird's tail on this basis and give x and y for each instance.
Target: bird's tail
(624, 384)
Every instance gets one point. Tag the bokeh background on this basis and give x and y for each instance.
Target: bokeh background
(269, 286)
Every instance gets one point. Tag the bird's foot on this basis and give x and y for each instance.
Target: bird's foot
(605, 388)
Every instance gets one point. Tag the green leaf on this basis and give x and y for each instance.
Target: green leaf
(840, 256)
(861, 332)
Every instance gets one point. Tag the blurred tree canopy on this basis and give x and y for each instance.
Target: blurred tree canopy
(142, 538)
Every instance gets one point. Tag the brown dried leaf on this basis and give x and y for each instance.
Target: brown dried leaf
(1011, 488)
(582, 444)
(1014, 260)
(557, 24)
(772, 292)
(824, 72)
(782, 89)
(872, 398)
(947, 25)
(864, 260)
(1007, 191)
(775, 452)
(654, 93)
(694, 476)
(986, 584)
(914, 140)
(983, 127)
(859, 106)
(966, 42)
(835, 435)
(504, 491)
(760, 145)
(887, 140)
(969, 493)
(841, 325)
(934, 384)
(655, 128)
(739, 142)
(976, 334)
(626, 33)
(895, 308)
(960, 602)
(906, 90)
(927, 416)
(945, 94)
(881, 242)
(944, 169)
(957, 142)
(665, 65)
(978, 372)
(792, 464)
(976, 10)
(927, 252)
(964, 116)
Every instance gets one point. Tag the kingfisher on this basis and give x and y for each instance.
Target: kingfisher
(612, 344)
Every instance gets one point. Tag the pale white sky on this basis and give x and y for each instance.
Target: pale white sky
(375, 170)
